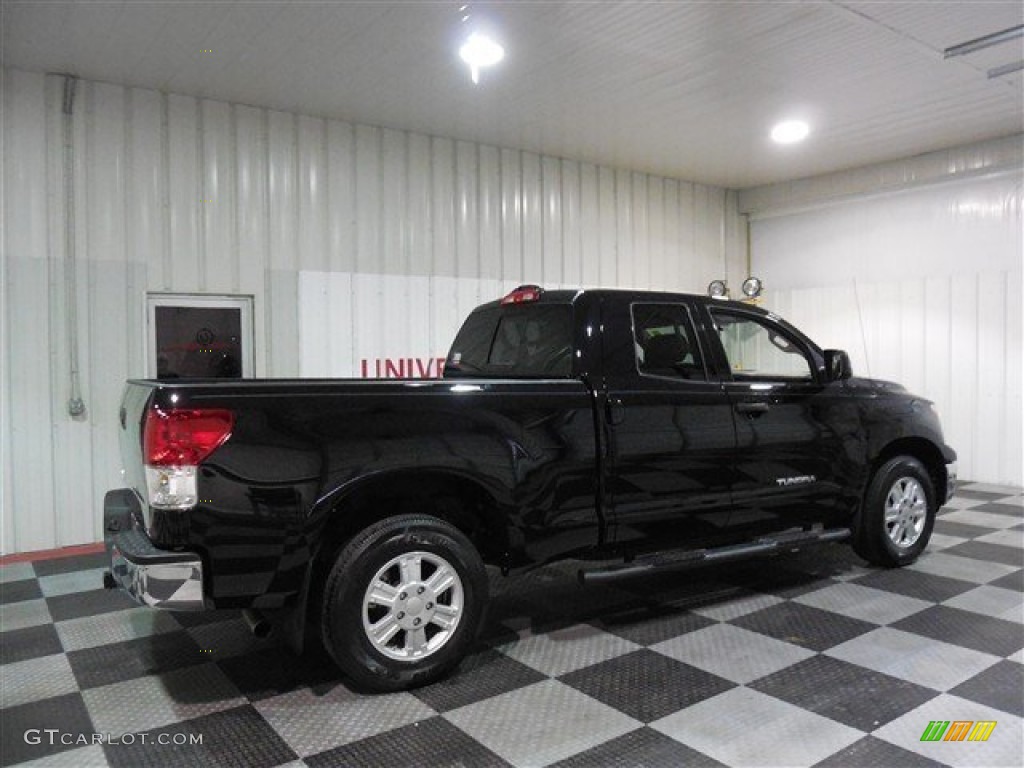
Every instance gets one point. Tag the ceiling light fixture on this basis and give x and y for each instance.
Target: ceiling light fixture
(480, 51)
(980, 43)
(790, 132)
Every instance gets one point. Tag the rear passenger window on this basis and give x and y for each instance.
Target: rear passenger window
(664, 342)
(515, 341)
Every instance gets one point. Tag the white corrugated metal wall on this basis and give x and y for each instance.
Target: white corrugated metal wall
(181, 194)
(921, 284)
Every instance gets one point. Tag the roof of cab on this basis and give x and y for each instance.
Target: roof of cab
(570, 296)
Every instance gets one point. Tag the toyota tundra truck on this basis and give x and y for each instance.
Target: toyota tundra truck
(633, 432)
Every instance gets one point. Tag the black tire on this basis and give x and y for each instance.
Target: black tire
(413, 647)
(898, 514)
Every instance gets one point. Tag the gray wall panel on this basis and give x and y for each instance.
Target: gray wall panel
(176, 193)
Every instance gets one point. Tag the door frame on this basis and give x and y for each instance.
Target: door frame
(242, 302)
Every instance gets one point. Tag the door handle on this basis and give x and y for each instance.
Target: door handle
(752, 409)
(615, 410)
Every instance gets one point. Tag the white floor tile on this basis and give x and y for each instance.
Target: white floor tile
(1005, 538)
(1004, 747)
(940, 541)
(732, 652)
(742, 727)
(551, 722)
(964, 568)
(144, 703)
(727, 610)
(566, 650)
(41, 678)
(312, 722)
(16, 572)
(991, 601)
(69, 583)
(864, 603)
(27, 613)
(90, 631)
(920, 660)
(983, 519)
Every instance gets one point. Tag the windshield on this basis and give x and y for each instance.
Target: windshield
(514, 341)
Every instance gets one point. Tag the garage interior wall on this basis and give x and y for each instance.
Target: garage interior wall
(180, 194)
(921, 284)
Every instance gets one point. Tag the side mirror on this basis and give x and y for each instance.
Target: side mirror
(837, 365)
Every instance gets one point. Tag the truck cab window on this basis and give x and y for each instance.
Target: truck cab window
(758, 350)
(515, 341)
(664, 342)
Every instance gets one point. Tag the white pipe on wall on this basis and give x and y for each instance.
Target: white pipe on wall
(76, 406)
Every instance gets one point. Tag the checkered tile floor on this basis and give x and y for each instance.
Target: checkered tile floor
(812, 659)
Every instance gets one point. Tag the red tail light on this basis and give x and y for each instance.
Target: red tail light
(184, 437)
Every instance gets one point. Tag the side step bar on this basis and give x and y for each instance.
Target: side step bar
(676, 561)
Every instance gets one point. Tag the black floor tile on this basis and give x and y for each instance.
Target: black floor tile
(23, 725)
(57, 565)
(803, 625)
(989, 553)
(152, 655)
(17, 591)
(479, 677)
(787, 582)
(1013, 580)
(652, 623)
(274, 671)
(870, 752)
(573, 604)
(29, 643)
(1000, 686)
(642, 748)
(967, 493)
(960, 530)
(995, 508)
(646, 685)
(923, 586)
(93, 603)
(966, 629)
(844, 692)
(235, 738)
(433, 743)
(188, 619)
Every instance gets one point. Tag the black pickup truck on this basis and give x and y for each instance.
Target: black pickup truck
(632, 431)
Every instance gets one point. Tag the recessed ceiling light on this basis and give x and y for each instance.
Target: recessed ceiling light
(480, 51)
(790, 131)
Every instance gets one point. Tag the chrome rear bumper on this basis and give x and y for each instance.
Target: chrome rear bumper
(155, 577)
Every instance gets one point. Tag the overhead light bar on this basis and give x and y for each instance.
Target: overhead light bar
(987, 41)
(1006, 69)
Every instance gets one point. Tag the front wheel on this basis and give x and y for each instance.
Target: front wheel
(898, 514)
(403, 602)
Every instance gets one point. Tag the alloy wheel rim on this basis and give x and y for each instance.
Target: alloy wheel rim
(413, 606)
(906, 508)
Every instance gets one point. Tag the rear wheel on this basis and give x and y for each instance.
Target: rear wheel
(896, 520)
(403, 602)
